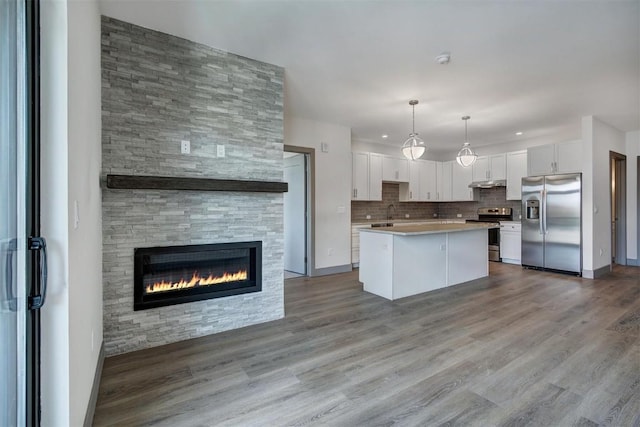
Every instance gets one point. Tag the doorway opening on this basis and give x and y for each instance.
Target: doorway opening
(298, 209)
(618, 174)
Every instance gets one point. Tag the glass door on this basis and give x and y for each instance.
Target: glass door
(23, 269)
(13, 359)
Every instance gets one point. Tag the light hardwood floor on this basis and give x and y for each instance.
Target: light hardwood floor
(519, 347)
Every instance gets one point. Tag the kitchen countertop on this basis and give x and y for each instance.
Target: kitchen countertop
(410, 230)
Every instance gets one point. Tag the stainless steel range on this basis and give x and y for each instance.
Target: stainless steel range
(493, 215)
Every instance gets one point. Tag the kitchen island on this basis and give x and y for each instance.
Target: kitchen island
(400, 261)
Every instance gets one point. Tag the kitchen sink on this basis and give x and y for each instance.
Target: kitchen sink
(382, 224)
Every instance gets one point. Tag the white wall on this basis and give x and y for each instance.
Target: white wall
(633, 181)
(332, 187)
(55, 313)
(85, 241)
(599, 138)
(71, 138)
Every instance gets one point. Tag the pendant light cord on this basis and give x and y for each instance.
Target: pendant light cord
(466, 138)
(413, 125)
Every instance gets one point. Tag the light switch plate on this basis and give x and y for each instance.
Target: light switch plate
(220, 150)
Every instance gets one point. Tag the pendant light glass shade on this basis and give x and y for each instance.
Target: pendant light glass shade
(466, 156)
(414, 147)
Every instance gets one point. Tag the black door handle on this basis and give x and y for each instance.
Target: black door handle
(39, 244)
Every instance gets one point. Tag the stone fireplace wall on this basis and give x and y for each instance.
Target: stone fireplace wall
(158, 90)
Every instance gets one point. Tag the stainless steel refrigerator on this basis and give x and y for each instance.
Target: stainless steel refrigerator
(552, 222)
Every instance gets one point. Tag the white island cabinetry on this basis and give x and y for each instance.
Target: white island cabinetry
(401, 261)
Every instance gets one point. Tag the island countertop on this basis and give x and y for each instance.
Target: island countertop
(410, 230)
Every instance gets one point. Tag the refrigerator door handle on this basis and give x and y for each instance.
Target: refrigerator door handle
(544, 211)
(541, 211)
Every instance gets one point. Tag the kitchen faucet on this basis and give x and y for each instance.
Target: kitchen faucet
(389, 217)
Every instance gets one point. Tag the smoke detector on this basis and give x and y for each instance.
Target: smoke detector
(443, 58)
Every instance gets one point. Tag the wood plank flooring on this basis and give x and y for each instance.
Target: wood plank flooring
(517, 348)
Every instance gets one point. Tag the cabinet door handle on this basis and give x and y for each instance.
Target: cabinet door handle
(397, 174)
(429, 195)
(411, 194)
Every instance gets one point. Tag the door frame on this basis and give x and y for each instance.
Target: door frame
(310, 155)
(618, 204)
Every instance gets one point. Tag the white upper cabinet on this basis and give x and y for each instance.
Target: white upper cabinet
(541, 159)
(366, 176)
(443, 180)
(565, 157)
(460, 180)
(488, 168)
(516, 170)
(375, 176)
(428, 181)
(569, 156)
(359, 176)
(395, 169)
(411, 192)
(422, 182)
(497, 167)
(481, 169)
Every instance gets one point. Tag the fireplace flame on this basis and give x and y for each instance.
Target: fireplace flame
(196, 280)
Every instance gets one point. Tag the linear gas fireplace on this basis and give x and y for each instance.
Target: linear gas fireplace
(178, 274)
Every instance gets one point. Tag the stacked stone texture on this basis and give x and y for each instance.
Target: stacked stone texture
(158, 90)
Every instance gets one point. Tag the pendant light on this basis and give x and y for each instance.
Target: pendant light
(466, 156)
(414, 147)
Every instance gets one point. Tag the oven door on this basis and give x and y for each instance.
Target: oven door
(494, 244)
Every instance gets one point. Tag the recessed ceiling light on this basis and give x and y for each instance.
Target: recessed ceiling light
(443, 58)
(518, 133)
(385, 136)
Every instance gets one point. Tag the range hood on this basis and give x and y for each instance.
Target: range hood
(488, 184)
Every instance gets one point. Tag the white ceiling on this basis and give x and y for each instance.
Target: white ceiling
(531, 66)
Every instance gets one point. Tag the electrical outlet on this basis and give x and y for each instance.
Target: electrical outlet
(443, 248)
(458, 215)
(435, 215)
(368, 216)
(220, 150)
(330, 251)
(407, 215)
(185, 147)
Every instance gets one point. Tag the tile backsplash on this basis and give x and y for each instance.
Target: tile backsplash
(486, 197)
(391, 195)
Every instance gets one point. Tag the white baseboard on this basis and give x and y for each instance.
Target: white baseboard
(93, 399)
